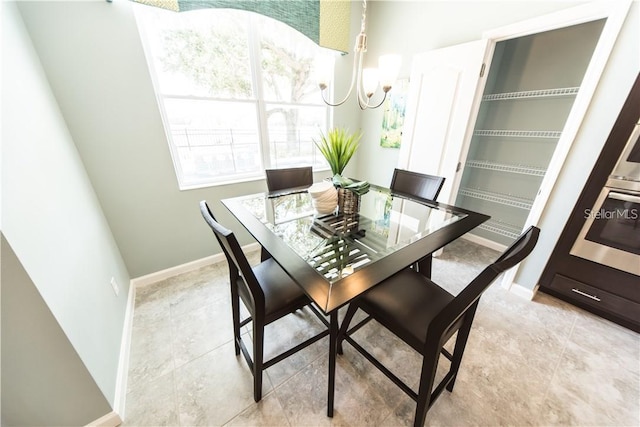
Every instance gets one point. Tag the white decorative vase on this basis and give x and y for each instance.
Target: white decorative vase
(324, 197)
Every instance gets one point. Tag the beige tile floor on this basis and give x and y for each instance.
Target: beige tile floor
(539, 363)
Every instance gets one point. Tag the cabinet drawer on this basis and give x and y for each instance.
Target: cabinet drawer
(597, 298)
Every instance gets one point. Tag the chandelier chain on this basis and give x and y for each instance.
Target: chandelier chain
(364, 16)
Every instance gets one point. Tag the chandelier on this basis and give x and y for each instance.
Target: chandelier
(366, 80)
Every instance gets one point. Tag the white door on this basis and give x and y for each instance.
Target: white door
(443, 89)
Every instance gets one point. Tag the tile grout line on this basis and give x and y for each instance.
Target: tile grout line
(557, 366)
(275, 389)
(174, 372)
(546, 390)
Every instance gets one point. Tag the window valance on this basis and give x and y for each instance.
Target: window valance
(326, 22)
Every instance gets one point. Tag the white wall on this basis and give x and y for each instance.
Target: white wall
(411, 27)
(51, 216)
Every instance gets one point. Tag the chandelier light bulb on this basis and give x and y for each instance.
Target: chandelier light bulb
(323, 67)
(366, 80)
(370, 81)
(389, 66)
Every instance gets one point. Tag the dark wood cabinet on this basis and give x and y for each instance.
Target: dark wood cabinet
(605, 291)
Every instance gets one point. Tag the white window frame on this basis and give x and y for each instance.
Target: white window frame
(258, 101)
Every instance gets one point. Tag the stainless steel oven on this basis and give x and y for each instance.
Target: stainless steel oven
(628, 166)
(611, 232)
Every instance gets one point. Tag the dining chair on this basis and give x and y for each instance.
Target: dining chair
(422, 186)
(280, 179)
(425, 316)
(416, 184)
(268, 294)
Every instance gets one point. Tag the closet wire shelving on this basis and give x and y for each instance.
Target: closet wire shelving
(541, 93)
(496, 225)
(502, 167)
(503, 199)
(550, 134)
(528, 94)
(502, 228)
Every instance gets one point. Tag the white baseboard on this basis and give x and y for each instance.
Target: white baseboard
(523, 291)
(120, 398)
(174, 271)
(484, 242)
(186, 267)
(111, 419)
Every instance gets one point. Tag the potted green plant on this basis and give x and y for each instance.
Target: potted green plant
(337, 147)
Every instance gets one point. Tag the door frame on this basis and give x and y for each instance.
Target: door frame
(615, 13)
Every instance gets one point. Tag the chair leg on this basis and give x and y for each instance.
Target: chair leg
(461, 342)
(427, 375)
(424, 266)
(235, 314)
(258, 354)
(351, 311)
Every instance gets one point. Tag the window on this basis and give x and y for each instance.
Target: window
(236, 92)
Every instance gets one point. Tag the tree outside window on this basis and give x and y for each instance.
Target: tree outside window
(236, 90)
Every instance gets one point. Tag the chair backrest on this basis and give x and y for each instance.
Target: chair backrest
(279, 179)
(468, 298)
(416, 184)
(240, 271)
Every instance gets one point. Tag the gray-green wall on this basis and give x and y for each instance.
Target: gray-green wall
(44, 382)
(102, 84)
(88, 189)
(420, 26)
(93, 58)
(52, 219)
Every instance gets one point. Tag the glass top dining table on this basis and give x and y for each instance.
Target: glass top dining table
(336, 257)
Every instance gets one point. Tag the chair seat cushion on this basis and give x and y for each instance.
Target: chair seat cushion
(406, 303)
(282, 295)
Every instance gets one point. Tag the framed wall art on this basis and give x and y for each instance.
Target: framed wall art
(393, 116)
